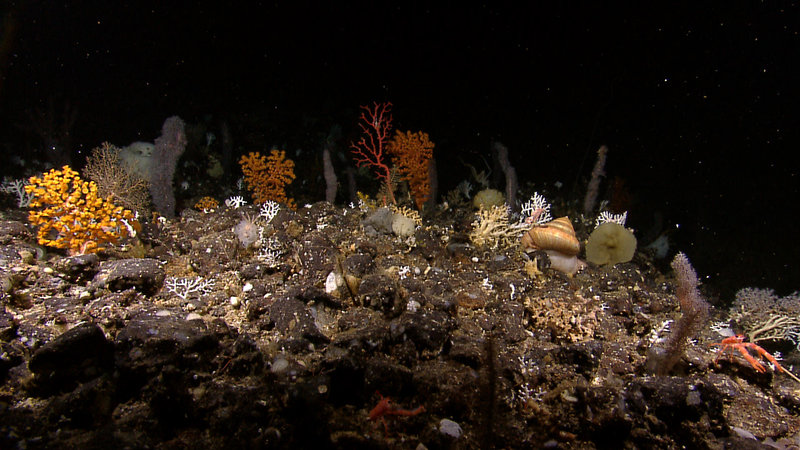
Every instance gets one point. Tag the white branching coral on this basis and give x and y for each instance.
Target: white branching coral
(17, 187)
(189, 287)
(606, 217)
(235, 202)
(270, 251)
(536, 211)
(269, 210)
(766, 316)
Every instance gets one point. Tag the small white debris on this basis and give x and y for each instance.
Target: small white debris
(403, 272)
(235, 301)
(723, 329)
(744, 434)
(279, 365)
(333, 282)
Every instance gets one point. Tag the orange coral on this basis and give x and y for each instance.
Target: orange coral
(267, 177)
(71, 215)
(207, 204)
(411, 153)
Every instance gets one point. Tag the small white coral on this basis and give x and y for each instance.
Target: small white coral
(17, 187)
(269, 210)
(186, 288)
(536, 210)
(235, 202)
(270, 252)
(606, 217)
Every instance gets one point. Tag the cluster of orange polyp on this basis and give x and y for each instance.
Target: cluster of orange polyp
(207, 204)
(70, 215)
(411, 154)
(267, 176)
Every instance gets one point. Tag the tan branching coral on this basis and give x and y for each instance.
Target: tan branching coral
(115, 181)
(492, 229)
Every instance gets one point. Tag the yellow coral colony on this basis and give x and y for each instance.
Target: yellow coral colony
(70, 214)
(267, 177)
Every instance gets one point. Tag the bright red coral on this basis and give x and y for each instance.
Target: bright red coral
(376, 124)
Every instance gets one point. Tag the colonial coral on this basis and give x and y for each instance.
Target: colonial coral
(375, 124)
(70, 214)
(412, 153)
(115, 179)
(267, 176)
(207, 204)
(492, 229)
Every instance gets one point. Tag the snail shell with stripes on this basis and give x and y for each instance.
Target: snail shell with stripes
(557, 235)
(557, 239)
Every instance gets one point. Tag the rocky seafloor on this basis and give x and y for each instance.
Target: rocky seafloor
(480, 348)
